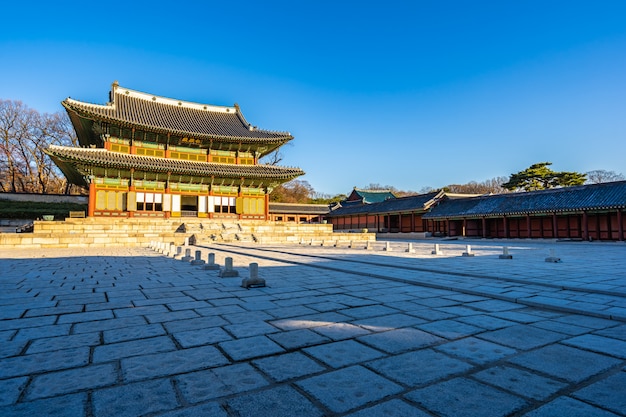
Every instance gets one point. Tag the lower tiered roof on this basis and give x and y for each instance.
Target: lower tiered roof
(74, 163)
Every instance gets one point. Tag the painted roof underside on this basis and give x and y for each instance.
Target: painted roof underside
(596, 197)
(70, 156)
(413, 203)
(145, 111)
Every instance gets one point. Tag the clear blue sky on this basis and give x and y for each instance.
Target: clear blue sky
(402, 93)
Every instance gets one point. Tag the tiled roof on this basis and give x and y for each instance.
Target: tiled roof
(421, 202)
(103, 158)
(568, 199)
(290, 208)
(133, 108)
(370, 196)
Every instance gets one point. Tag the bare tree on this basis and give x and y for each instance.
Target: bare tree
(11, 135)
(272, 158)
(493, 186)
(600, 175)
(24, 134)
(294, 191)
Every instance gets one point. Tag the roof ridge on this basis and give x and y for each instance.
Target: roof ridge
(116, 89)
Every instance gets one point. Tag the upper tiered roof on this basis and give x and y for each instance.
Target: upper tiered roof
(130, 108)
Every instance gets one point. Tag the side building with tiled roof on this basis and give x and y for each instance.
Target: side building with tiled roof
(143, 155)
(299, 213)
(397, 214)
(595, 212)
(588, 212)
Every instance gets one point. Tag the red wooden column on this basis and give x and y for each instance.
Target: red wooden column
(505, 226)
(131, 182)
(620, 225)
(448, 227)
(555, 226)
(92, 199)
(484, 221)
(528, 226)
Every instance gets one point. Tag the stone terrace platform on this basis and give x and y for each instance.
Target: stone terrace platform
(100, 232)
(337, 332)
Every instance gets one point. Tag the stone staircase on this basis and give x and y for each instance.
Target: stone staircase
(103, 232)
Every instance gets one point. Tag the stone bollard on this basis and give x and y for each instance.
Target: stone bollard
(172, 252)
(187, 241)
(211, 265)
(436, 251)
(228, 271)
(198, 260)
(552, 258)
(368, 246)
(505, 253)
(254, 280)
(387, 247)
(410, 248)
(187, 257)
(468, 251)
(311, 242)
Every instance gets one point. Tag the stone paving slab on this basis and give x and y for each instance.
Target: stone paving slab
(282, 401)
(462, 397)
(348, 388)
(129, 332)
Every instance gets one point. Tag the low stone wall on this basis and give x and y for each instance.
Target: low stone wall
(45, 198)
(402, 235)
(103, 232)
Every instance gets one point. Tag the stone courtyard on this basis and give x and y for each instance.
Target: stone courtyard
(337, 331)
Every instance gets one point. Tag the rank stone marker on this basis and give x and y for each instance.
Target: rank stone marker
(211, 265)
(410, 249)
(468, 251)
(253, 280)
(228, 271)
(198, 260)
(553, 258)
(387, 247)
(187, 257)
(505, 253)
(436, 251)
